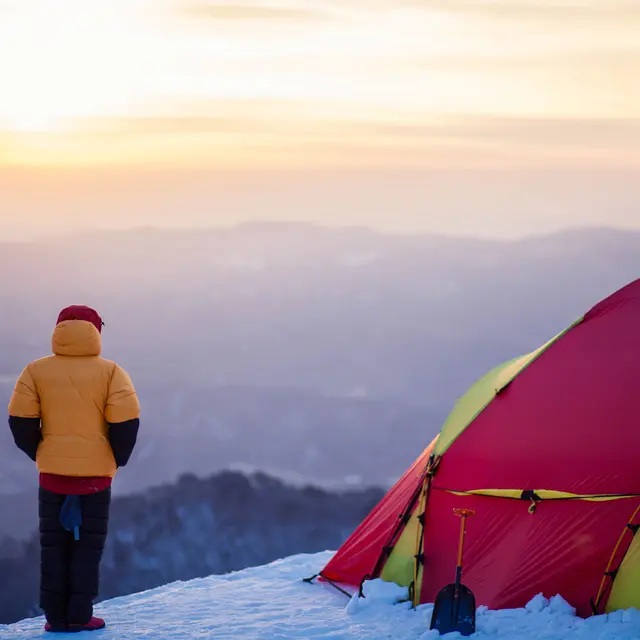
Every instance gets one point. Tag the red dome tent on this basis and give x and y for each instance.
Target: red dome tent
(546, 449)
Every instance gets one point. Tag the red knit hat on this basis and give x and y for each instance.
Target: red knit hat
(81, 312)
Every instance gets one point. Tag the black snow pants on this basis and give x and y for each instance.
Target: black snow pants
(69, 568)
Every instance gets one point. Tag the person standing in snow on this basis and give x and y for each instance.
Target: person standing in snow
(77, 416)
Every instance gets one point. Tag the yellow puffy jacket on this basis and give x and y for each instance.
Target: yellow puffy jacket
(75, 393)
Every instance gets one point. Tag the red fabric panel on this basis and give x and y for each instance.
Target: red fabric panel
(569, 421)
(72, 485)
(511, 555)
(358, 555)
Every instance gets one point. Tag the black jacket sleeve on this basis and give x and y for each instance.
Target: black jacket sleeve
(26, 434)
(123, 436)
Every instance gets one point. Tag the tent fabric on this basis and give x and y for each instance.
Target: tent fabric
(561, 423)
(484, 391)
(360, 553)
(544, 447)
(512, 555)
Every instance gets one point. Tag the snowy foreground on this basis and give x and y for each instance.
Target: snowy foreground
(272, 602)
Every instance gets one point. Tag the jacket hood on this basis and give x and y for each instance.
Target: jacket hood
(76, 338)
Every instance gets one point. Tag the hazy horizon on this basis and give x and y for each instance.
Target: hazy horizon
(29, 234)
(480, 203)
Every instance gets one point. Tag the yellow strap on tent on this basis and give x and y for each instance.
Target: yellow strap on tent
(538, 494)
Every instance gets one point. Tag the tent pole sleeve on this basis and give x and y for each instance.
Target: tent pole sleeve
(419, 556)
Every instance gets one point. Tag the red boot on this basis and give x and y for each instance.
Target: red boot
(93, 625)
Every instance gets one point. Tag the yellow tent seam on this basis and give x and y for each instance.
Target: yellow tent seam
(541, 494)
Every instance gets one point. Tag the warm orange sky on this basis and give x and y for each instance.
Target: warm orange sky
(476, 116)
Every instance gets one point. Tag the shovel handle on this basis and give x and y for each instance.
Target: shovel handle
(463, 514)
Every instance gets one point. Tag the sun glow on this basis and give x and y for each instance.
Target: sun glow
(24, 121)
(63, 60)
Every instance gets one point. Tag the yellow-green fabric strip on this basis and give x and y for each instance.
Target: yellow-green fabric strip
(399, 568)
(543, 494)
(625, 592)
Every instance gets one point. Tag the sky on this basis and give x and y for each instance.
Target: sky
(486, 117)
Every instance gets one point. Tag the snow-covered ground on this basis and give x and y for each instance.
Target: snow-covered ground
(272, 602)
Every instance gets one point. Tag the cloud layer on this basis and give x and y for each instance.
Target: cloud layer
(115, 80)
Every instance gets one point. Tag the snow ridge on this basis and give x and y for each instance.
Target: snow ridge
(271, 601)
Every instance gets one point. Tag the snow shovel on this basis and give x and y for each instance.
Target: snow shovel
(455, 605)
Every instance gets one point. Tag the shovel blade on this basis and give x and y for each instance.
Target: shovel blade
(454, 611)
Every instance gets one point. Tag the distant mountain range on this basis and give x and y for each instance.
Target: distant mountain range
(195, 528)
(320, 354)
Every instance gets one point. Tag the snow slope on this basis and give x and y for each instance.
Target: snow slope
(272, 602)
